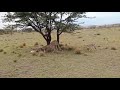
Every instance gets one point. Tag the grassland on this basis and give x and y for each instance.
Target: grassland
(103, 61)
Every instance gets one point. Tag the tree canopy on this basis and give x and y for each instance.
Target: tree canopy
(45, 22)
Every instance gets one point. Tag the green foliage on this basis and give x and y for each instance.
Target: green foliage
(45, 22)
(41, 20)
(66, 21)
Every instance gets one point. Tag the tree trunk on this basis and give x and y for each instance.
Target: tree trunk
(48, 40)
(58, 38)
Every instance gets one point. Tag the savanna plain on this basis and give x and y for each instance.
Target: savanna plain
(95, 53)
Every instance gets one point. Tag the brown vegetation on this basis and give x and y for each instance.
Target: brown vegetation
(15, 61)
(36, 44)
(77, 51)
(1, 50)
(24, 44)
(4, 52)
(21, 46)
(113, 48)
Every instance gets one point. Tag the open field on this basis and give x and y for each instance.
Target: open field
(100, 56)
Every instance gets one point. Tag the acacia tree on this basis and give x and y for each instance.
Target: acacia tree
(45, 22)
(65, 22)
(41, 22)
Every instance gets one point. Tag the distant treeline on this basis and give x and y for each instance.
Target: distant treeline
(102, 26)
(10, 31)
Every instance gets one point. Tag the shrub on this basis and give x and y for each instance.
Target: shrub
(98, 46)
(106, 48)
(1, 50)
(15, 61)
(97, 34)
(21, 46)
(36, 44)
(41, 45)
(4, 52)
(113, 48)
(77, 51)
(24, 44)
(14, 52)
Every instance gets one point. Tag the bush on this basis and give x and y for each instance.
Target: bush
(13, 52)
(4, 52)
(36, 44)
(1, 50)
(113, 48)
(97, 34)
(77, 51)
(21, 46)
(98, 46)
(15, 61)
(24, 44)
(106, 48)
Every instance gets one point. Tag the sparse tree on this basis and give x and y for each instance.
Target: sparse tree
(41, 22)
(45, 22)
(65, 22)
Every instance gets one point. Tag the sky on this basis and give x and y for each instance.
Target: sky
(101, 18)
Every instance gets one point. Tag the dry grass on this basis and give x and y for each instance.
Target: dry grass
(92, 63)
(41, 54)
(19, 55)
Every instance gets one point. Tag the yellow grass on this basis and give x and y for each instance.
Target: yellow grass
(97, 60)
